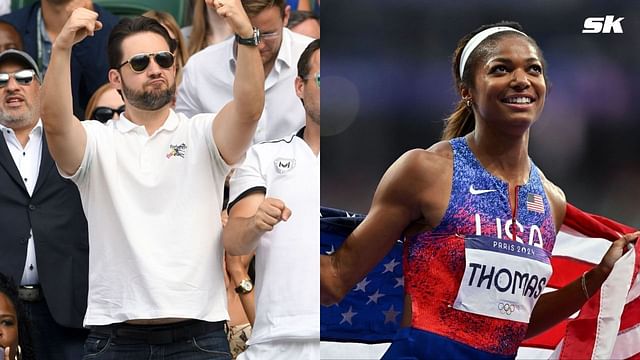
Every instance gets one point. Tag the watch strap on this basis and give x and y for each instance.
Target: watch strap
(251, 41)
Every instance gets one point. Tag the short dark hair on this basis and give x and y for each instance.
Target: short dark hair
(130, 26)
(255, 7)
(299, 16)
(303, 63)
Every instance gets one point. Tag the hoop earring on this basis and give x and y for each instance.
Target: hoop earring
(19, 354)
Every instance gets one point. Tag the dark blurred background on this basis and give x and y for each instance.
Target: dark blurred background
(387, 86)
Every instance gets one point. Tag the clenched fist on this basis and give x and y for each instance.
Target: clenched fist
(82, 23)
(270, 212)
(233, 12)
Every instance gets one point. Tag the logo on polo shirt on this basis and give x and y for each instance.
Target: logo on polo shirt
(177, 150)
(284, 165)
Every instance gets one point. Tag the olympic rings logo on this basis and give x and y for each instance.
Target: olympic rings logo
(506, 308)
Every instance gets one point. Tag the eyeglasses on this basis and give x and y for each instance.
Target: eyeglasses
(269, 35)
(139, 62)
(315, 77)
(104, 114)
(23, 77)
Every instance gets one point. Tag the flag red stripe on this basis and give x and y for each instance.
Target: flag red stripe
(579, 341)
(548, 339)
(596, 226)
(566, 270)
(630, 315)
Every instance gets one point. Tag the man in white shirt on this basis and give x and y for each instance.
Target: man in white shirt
(280, 181)
(208, 76)
(151, 184)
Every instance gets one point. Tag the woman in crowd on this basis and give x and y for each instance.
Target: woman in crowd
(105, 104)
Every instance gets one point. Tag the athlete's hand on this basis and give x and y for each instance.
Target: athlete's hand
(270, 212)
(616, 250)
(233, 12)
(82, 23)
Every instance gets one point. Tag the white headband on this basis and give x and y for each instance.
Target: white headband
(477, 39)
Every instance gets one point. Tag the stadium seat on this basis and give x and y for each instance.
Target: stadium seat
(17, 4)
(177, 8)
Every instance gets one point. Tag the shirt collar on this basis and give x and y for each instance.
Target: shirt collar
(37, 129)
(125, 125)
(284, 55)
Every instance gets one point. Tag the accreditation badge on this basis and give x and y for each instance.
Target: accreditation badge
(502, 278)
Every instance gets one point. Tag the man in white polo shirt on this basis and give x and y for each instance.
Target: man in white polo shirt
(151, 185)
(206, 88)
(280, 181)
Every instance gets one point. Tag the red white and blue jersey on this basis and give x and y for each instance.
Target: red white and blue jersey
(475, 277)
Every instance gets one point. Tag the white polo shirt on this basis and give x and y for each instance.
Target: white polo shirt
(153, 207)
(287, 288)
(207, 85)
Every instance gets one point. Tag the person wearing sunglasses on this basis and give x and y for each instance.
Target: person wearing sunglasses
(152, 184)
(207, 88)
(44, 231)
(40, 21)
(105, 104)
(280, 224)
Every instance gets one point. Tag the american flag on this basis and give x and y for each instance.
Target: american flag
(372, 311)
(607, 326)
(534, 203)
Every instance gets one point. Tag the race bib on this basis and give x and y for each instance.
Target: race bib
(502, 278)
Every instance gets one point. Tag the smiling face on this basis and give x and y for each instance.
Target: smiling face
(508, 84)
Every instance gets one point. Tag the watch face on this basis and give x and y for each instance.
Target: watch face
(246, 285)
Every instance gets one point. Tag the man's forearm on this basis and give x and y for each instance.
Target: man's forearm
(248, 86)
(57, 102)
(240, 236)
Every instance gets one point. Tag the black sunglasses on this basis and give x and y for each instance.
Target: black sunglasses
(139, 62)
(23, 77)
(104, 114)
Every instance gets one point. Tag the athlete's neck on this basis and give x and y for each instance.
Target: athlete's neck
(504, 157)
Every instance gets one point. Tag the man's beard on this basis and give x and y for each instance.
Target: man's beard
(149, 100)
(19, 120)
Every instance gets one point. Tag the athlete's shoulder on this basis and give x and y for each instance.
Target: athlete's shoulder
(557, 199)
(420, 162)
(422, 168)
